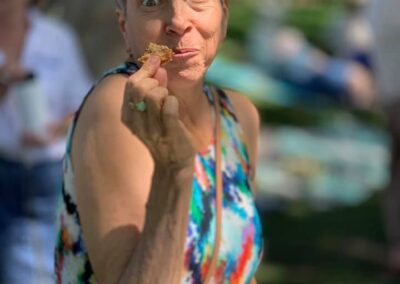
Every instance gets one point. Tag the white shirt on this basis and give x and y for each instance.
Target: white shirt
(51, 52)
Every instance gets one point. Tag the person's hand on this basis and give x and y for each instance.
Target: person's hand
(158, 126)
(54, 131)
(10, 74)
(33, 140)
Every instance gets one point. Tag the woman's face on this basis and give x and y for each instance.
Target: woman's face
(192, 28)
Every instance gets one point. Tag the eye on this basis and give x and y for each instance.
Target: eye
(150, 3)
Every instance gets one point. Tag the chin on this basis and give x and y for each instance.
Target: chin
(187, 76)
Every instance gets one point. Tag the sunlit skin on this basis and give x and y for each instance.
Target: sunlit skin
(193, 27)
(151, 154)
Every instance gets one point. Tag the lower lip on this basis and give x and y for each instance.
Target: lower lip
(184, 55)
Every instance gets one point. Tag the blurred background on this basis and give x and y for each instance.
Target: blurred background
(324, 160)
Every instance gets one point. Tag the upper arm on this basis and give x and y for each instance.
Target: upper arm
(112, 176)
(250, 123)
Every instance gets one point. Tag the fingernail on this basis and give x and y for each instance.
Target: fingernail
(153, 60)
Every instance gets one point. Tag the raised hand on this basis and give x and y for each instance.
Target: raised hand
(152, 114)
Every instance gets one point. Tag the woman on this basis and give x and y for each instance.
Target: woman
(30, 163)
(139, 193)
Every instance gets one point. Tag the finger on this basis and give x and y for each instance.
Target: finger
(135, 93)
(155, 101)
(170, 115)
(148, 70)
(138, 92)
(156, 97)
(133, 120)
(161, 77)
(132, 94)
(129, 94)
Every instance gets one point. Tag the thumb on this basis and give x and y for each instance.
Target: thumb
(149, 68)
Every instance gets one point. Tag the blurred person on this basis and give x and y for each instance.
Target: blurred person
(349, 33)
(79, 13)
(385, 23)
(284, 52)
(42, 54)
(157, 185)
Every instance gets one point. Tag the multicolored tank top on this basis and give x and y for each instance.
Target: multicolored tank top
(241, 241)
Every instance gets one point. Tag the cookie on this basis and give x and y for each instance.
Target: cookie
(164, 52)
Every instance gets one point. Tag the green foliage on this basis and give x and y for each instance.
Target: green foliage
(343, 245)
(306, 116)
(312, 21)
(241, 18)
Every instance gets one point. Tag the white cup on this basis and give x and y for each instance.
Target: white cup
(32, 107)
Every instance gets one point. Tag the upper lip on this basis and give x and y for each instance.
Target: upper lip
(184, 49)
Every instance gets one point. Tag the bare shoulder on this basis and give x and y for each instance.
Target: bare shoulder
(100, 124)
(249, 120)
(106, 98)
(245, 110)
(102, 113)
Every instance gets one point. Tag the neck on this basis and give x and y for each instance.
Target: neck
(195, 112)
(192, 101)
(13, 22)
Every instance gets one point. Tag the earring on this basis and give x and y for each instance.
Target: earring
(130, 54)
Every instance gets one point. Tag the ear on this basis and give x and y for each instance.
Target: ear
(225, 18)
(121, 18)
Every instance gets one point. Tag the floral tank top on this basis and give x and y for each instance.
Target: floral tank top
(241, 240)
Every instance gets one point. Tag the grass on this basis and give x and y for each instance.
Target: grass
(342, 245)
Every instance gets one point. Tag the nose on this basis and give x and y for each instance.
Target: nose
(178, 22)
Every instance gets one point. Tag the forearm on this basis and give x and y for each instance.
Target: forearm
(158, 257)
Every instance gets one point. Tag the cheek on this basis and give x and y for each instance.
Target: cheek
(210, 25)
(141, 33)
(212, 34)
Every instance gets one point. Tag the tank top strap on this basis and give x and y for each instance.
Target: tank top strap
(231, 128)
(225, 103)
